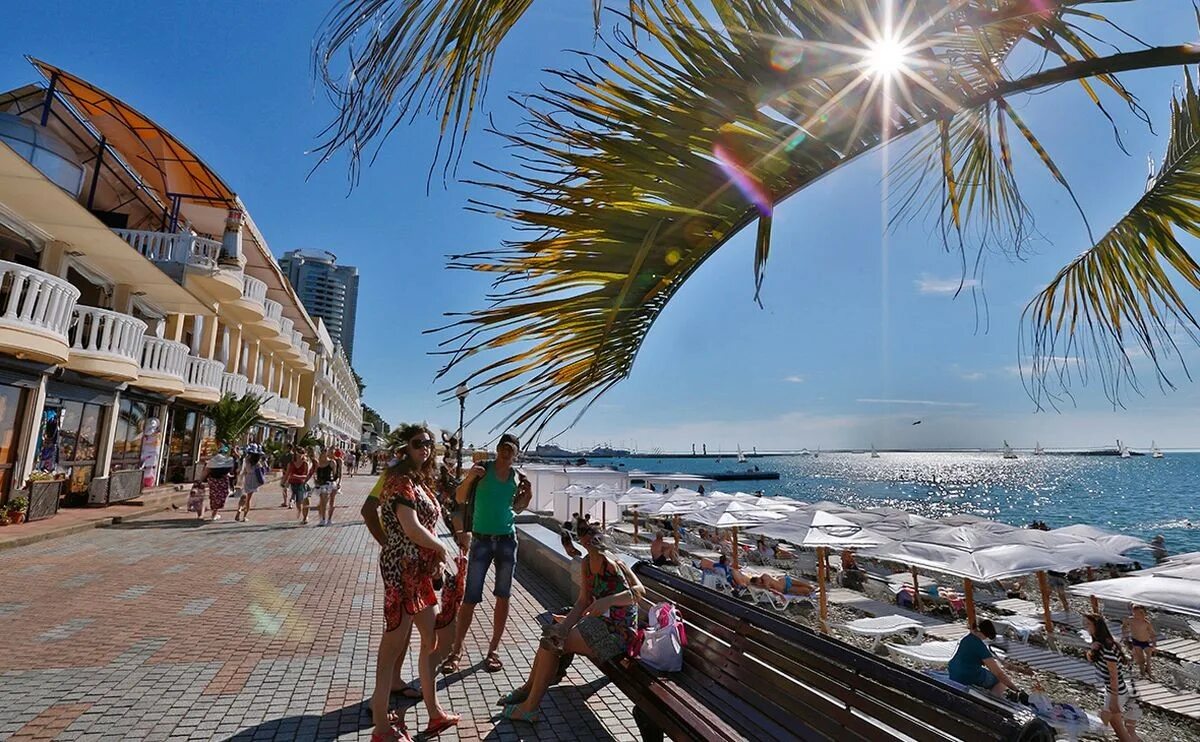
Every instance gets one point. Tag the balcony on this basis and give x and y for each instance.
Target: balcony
(163, 366)
(251, 305)
(106, 343)
(268, 326)
(308, 359)
(35, 313)
(202, 380)
(191, 260)
(283, 339)
(234, 384)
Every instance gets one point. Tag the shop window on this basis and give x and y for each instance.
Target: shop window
(12, 400)
(133, 417)
(68, 440)
(181, 443)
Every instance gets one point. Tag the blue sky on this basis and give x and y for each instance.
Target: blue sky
(845, 353)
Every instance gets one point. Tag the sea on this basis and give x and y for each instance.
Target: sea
(1140, 496)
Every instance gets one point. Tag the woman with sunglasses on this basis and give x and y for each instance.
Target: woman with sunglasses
(410, 559)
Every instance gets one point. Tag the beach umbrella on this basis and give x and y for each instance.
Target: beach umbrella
(636, 497)
(679, 502)
(1117, 542)
(1191, 557)
(1183, 571)
(1172, 594)
(828, 530)
(733, 514)
(602, 494)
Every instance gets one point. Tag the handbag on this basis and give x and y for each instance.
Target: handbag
(663, 639)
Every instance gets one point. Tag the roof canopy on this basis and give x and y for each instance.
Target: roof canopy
(162, 161)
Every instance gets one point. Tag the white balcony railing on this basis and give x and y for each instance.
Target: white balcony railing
(203, 373)
(257, 390)
(254, 290)
(101, 332)
(168, 247)
(31, 299)
(234, 384)
(164, 357)
(285, 327)
(273, 309)
(298, 340)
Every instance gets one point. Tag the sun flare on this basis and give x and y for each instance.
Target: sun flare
(887, 57)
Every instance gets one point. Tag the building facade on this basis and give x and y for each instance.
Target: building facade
(135, 290)
(327, 290)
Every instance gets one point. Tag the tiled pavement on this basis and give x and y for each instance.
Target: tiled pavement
(166, 628)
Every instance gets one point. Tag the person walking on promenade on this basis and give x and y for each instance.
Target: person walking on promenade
(600, 625)
(492, 493)
(254, 475)
(218, 473)
(297, 474)
(326, 476)
(410, 559)
(285, 460)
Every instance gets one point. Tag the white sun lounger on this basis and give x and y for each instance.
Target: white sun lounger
(933, 653)
(774, 600)
(884, 626)
(1023, 626)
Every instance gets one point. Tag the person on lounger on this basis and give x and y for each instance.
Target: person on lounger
(661, 552)
(974, 664)
(787, 585)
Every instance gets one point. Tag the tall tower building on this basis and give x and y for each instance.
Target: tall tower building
(327, 290)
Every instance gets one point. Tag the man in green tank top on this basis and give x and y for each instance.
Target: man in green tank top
(493, 492)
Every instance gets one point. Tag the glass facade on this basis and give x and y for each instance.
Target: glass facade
(69, 439)
(12, 400)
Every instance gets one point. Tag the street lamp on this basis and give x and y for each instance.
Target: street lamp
(461, 393)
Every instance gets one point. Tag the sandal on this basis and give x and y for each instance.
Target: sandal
(515, 698)
(513, 713)
(440, 724)
(395, 733)
(450, 664)
(409, 691)
(492, 663)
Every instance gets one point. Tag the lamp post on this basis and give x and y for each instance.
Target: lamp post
(461, 393)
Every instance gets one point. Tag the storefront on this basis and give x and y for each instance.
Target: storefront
(15, 393)
(191, 440)
(137, 447)
(70, 435)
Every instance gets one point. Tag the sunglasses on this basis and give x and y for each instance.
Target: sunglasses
(424, 443)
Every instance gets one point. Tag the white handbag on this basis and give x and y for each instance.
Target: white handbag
(663, 640)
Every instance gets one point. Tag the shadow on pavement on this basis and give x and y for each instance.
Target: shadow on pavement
(323, 728)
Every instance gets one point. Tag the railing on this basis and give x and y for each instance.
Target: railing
(203, 373)
(254, 290)
(164, 357)
(257, 390)
(285, 327)
(168, 247)
(30, 298)
(274, 310)
(102, 332)
(298, 341)
(234, 384)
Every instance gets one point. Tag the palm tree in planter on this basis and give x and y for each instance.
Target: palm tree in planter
(234, 416)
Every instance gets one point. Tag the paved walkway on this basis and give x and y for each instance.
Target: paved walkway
(165, 628)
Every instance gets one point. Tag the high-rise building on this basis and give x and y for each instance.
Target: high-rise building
(327, 290)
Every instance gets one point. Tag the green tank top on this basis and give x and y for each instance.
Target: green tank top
(493, 515)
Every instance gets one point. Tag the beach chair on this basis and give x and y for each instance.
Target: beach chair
(1022, 627)
(777, 601)
(933, 653)
(688, 572)
(883, 627)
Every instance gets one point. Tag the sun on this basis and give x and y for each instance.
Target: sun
(887, 57)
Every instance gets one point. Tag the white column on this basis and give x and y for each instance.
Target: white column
(105, 447)
(197, 331)
(30, 426)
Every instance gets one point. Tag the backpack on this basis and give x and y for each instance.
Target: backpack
(663, 639)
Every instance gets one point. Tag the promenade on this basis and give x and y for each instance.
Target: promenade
(167, 628)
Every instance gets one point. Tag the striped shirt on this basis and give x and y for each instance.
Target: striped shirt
(1101, 655)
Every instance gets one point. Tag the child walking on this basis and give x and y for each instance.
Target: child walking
(254, 475)
(197, 498)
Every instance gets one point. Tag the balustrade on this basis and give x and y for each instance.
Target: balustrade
(34, 300)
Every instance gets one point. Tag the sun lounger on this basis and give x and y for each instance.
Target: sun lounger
(1018, 606)
(1022, 626)
(776, 601)
(933, 653)
(885, 626)
(1071, 668)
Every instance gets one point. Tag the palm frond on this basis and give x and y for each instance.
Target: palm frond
(234, 416)
(1118, 300)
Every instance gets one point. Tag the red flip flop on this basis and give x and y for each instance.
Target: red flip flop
(441, 724)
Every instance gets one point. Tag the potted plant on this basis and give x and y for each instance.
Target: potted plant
(16, 509)
(3, 519)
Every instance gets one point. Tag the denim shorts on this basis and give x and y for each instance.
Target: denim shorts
(502, 550)
(299, 491)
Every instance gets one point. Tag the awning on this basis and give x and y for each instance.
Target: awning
(162, 161)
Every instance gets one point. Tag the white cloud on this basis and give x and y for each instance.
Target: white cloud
(921, 402)
(794, 378)
(928, 285)
(971, 375)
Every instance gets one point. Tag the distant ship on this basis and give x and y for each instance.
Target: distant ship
(1154, 452)
(1008, 452)
(741, 456)
(874, 453)
(1038, 450)
(1122, 450)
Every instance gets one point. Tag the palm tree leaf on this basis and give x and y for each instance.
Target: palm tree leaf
(1118, 299)
(234, 416)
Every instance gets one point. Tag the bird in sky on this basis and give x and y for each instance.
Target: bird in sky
(916, 422)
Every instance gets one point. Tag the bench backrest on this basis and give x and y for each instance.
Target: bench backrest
(766, 674)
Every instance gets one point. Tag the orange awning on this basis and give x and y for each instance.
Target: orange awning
(162, 161)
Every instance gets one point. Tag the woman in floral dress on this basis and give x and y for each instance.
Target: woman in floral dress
(411, 557)
(600, 625)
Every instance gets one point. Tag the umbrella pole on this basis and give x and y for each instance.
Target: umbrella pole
(823, 600)
(635, 526)
(676, 532)
(1095, 601)
(1044, 587)
(735, 548)
(916, 590)
(969, 594)
(603, 514)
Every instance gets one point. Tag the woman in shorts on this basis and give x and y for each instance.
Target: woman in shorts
(1121, 710)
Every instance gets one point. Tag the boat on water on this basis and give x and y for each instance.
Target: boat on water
(1008, 452)
(874, 453)
(817, 455)
(1038, 450)
(741, 456)
(1122, 449)
(1154, 452)
(741, 475)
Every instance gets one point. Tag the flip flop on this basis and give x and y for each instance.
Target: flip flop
(450, 664)
(440, 724)
(493, 663)
(513, 699)
(513, 713)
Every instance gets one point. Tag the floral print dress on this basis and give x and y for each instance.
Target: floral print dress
(407, 568)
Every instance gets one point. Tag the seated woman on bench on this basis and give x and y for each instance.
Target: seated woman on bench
(786, 585)
(661, 552)
(600, 625)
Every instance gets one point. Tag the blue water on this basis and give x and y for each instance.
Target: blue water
(1140, 496)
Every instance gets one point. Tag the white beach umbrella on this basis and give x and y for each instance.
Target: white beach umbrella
(1117, 542)
(829, 530)
(636, 498)
(1172, 594)
(1191, 557)
(984, 564)
(733, 514)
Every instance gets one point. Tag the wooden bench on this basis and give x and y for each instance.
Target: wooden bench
(750, 675)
